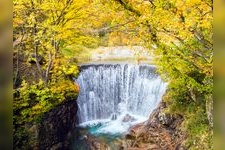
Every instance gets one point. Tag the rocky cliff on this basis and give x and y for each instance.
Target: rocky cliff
(56, 127)
(161, 131)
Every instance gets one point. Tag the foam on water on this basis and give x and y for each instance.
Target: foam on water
(109, 126)
(114, 97)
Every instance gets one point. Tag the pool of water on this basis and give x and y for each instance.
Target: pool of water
(108, 131)
(85, 136)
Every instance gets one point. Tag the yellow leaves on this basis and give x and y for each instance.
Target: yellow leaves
(59, 88)
(65, 88)
(53, 18)
(17, 22)
(76, 88)
(62, 69)
(70, 70)
(37, 107)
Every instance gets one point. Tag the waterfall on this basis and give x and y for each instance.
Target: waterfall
(118, 91)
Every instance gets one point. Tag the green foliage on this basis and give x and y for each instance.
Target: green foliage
(197, 128)
(79, 52)
(179, 32)
(33, 100)
(195, 124)
(190, 84)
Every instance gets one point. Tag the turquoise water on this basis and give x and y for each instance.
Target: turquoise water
(83, 135)
(93, 130)
(113, 98)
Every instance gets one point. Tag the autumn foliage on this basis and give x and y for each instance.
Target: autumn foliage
(61, 32)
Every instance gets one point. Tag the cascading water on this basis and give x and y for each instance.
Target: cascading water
(117, 96)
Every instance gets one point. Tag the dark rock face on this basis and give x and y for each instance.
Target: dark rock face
(57, 126)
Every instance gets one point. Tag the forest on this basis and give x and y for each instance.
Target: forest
(52, 37)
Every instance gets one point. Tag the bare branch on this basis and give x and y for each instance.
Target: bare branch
(48, 68)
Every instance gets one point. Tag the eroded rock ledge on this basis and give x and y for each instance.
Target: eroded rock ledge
(161, 131)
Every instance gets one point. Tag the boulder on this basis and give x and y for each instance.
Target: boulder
(165, 119)
(128, 118)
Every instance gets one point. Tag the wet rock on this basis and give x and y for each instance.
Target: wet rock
(135, 131)
(131, 136)
(114, 116)
(165, 119)
(96, 145)
(128, 118)
(149, 146)
(161, 131)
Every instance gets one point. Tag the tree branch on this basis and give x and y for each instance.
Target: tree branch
(129, 7)
(109, 29)
(48, 68)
